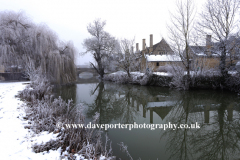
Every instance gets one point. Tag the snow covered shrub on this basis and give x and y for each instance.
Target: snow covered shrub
(45, 113)
(144, 80)
(119, 77)
(37, 90)
(124, 149)
(178, 78)
(146, 77)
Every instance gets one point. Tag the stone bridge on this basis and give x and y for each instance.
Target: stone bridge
(86, 74)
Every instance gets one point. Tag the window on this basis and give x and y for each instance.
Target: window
(161, 52)
(157, 63)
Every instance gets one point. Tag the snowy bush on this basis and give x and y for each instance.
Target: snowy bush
(144, 80)
(36, 90)
(45, 112)
(124, 149)
(119, 77)
(177, 73)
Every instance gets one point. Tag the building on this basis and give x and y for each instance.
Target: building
(208, 56)
(157, 55)
(201, 57)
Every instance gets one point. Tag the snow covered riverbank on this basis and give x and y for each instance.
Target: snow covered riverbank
(16, 137)
(16, 141)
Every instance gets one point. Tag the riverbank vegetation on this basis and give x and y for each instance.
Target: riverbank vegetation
(47, 113)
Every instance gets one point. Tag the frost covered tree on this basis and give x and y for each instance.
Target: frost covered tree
(219, 19)
(14, 31)
(126, 58)
(35, 48)
(101, 44)
(180, 30)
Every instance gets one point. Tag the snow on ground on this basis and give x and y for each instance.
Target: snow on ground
(137, 73)
(141, 74)
(16, 141)
(163, 74)
(118, 73)
(232, 72)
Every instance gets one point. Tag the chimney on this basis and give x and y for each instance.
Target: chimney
(208, 44)
(131, 50)
(151, 43)
(143, 45)
(137, 47)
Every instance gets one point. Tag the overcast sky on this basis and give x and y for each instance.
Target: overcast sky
(124, 18)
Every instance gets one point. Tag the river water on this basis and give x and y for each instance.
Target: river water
(214, 116)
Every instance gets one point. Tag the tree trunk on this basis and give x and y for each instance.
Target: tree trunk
(222, 65)
(128, 72)
(100, 69)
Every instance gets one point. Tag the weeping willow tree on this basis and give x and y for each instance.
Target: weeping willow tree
(32, 48)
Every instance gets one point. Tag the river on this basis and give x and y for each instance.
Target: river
(212, 114)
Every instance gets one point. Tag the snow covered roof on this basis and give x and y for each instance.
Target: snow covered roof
(201, 54)
(162, 58)
(198, 50)
(201, 51)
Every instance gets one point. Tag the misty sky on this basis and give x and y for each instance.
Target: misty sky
(124, 18)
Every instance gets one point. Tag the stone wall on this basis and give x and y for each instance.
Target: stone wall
(210, 62)
(154, 66)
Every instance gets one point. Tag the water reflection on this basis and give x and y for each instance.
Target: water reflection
(218, 137)
(217, 112)
(66, 92)
(113, 103)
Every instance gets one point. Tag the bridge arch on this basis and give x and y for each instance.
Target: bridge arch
(86, 73)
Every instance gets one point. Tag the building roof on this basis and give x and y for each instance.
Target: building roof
(161, 108)
(163, 45)
(198, 50)
(202, 50)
